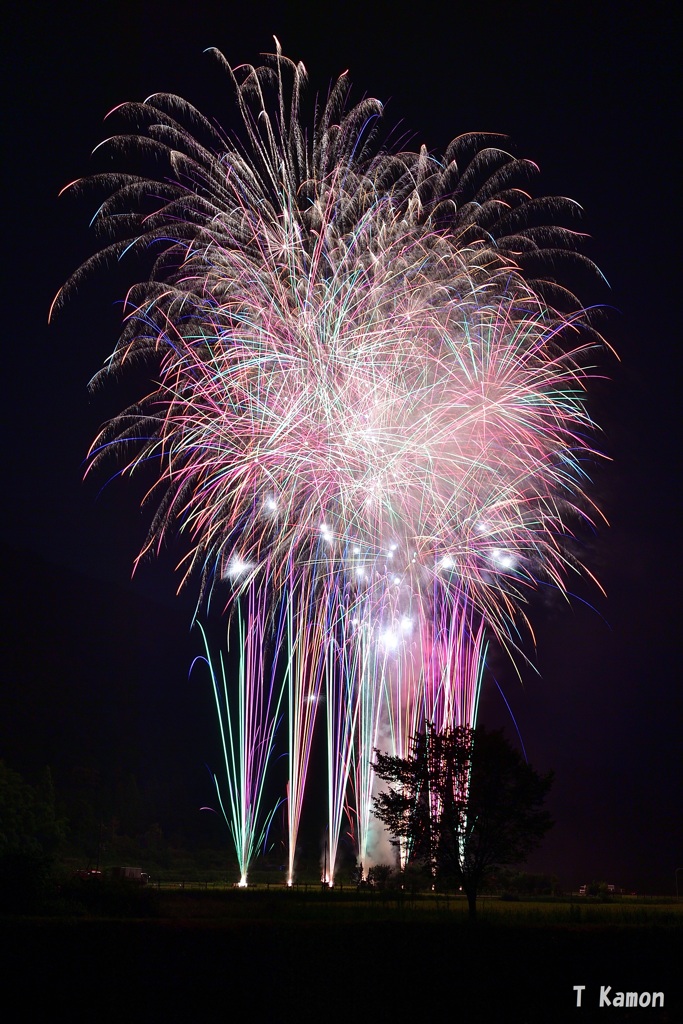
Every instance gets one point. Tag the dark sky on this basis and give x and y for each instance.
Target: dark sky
(96, 664)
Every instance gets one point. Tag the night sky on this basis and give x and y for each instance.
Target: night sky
(95, 664)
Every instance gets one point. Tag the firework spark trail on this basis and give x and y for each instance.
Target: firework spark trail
(369, 682)
(248, 711)
(366, 401)
(341, 707)
(454, 655)
(305, 674)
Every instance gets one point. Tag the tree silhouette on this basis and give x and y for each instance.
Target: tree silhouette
(464, 801)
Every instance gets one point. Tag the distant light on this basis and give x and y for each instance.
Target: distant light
(503, 558)
(238, 567)
(271, 504)
(406, 624)
(447, 562)
(389, 640)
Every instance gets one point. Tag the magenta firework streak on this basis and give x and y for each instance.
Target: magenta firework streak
(369, 418)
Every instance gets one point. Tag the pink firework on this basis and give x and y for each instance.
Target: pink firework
(366, 407)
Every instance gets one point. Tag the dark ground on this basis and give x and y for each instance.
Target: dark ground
(303, 962)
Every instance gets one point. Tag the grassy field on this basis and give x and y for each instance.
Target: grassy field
(275, 955)
(312, 903)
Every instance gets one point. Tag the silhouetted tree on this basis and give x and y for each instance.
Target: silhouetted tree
(30, 833)
(464, 801)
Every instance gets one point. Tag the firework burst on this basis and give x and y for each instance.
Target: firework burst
(369, 413)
